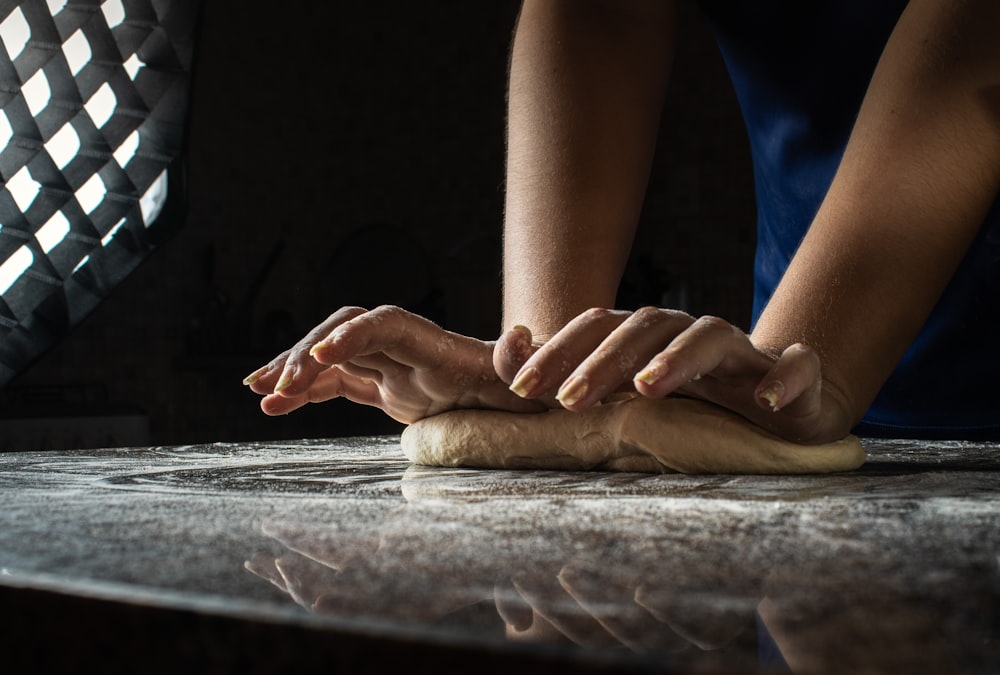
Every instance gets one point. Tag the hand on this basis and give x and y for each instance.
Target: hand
(656, 352)
(404, 364)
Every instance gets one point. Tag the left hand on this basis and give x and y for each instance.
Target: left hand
(656, 352)
(404, 364)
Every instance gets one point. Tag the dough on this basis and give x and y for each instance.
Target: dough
(638, 434)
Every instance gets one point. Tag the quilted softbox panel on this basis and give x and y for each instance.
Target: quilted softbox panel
(93, 112)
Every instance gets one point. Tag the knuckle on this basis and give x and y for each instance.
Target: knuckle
(596, 314)
(801, 352)
(713, 322)
(345, 313)
(603, 315)
(389, 311)
(649, 314)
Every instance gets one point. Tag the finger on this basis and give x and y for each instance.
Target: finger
(336, 550)
(711, 346)
(556, 359)
(612, 603)
(511, 352)
(263, 564)
(262, 380)
(406, 338)
(620, 355)
(330, 384)
(305, 579)
(708, 626)
(794, 379)
(551, 602)
(292, 373)
(511, 607)
(375, 368)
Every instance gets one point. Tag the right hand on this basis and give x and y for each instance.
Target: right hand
(656, 352)
(389, 358)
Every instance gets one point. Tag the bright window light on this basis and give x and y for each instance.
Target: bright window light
(37, 92)
(114, 12)
(14, 267)
(52, 233)
(106, 239)
(101, 105)
(56, 6)
(77, 51)
(6, 132)
(65, 203)
(151, 203)
(133, 65)
(91, 194)
(63, 146)
(23, 188)
(15, 33)
(126, 151)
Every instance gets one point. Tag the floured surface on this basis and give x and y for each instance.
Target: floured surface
(643, 435)
(646, 572)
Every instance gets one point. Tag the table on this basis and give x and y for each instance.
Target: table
(338, 555)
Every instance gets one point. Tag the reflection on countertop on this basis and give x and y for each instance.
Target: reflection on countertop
(891, 568)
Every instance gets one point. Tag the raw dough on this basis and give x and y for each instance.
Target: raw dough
(638, 434)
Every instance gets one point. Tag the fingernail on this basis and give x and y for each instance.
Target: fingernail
(649, 375)
(325, 344)
(574, 389)
(772, 394)
(526, 381)
(254, 376)
(284, 382)
(523, 330)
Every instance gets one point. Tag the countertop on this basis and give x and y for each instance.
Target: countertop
(338, 555)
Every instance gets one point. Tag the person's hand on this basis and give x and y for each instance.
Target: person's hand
(657, 352)
(404, 364)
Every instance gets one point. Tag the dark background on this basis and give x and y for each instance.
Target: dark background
(352, 153)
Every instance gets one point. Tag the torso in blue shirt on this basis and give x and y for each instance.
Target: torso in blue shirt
(800, 70)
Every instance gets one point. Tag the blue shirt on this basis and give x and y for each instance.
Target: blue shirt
(800, 71)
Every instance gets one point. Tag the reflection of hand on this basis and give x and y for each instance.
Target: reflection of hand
(592, 608)
(389, 573)
(657, 352)
(389, 358)
(356, 574)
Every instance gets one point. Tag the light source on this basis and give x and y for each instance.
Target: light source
(93, 110)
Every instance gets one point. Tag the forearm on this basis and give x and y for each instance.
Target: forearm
(919, 173)
(585, 95)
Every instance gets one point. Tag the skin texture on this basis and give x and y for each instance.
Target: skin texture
(585, 96)
(886, 239)
(404, 364)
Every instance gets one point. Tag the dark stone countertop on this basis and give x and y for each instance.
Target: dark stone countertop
(327, 555)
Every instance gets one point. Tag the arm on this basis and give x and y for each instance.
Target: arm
(587, 81)
(586, 89)
(918, 175)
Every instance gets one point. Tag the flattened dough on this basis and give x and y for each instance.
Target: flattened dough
(639, 434)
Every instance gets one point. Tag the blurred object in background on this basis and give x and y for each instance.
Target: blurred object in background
(93, 108)
(94, 100)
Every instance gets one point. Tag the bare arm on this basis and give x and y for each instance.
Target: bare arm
(586, 91)
(919, 173)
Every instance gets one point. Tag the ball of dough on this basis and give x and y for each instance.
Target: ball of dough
(639, 434)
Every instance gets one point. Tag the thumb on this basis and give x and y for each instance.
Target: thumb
(511, 351)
